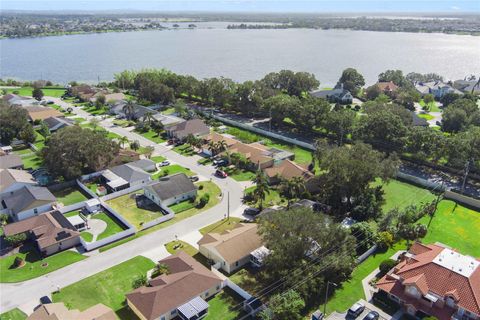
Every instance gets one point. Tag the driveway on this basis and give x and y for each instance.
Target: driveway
(16, 294)
(368, 307)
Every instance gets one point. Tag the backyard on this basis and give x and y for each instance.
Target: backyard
(172, 169)
(35, 266)
(226, 305)
(126, 205)
(400, 194)
(112, 227)
(272, 198)
(70, 195)
(108, 287)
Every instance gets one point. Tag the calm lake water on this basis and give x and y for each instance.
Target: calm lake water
(211, 50)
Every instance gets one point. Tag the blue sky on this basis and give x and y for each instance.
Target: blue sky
(448, 6)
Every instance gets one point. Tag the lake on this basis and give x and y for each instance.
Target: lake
(211, 50)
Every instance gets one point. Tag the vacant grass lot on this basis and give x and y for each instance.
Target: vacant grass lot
(399, 194)
(70, 195)
(126, 205)
(14, 314)
(108, 287)
(33, 267)
(220, 226)
(48, 92)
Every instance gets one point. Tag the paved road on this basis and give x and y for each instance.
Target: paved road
(17, 294)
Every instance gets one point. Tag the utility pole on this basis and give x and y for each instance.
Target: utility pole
(326, 297)
(467, 169)
(436, 202)
(270, 122)
(228, 205)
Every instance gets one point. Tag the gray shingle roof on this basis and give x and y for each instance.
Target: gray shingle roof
(130, 172)
(173, 186)
(28, 197)
(10, 161)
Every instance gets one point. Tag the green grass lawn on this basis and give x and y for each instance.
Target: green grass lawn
(179, 245)
(425, 116)
(168, 111)
(220, 226)
(433, 106)
(113, 226)
(151, 135)
(400, 194)
(33, 267)
(182, 206)
(70, 195)
(225, 306)
(94, 111)
(352, 290)
(79, 120)
(158, 159)
(49, 92)
(110, 135)
(239, 174)
(87, 236)
(32, 162)
(23, 151)
(185, 150)
(172, 169)
(127, 207)
(272, 198)
(455, 226)
(14, 314)
(108, 287)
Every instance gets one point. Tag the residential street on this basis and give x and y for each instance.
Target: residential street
(18, 294)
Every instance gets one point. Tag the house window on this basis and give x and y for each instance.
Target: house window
(450, 302)
(35, 211)
(236, 264)
(218, 287)
(206, 294)
(173, 312)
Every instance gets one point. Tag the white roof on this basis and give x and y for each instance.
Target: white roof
(7, 148)
(117, 183)
(457, 262)
(75, 220)
(92, 202)
(193, 307)
(260, 253)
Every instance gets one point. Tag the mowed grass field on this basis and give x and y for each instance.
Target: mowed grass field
(399, 195)
(48, 92)
(108, 287)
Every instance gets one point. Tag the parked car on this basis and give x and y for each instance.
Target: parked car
(219, 162)
(170, 141)
(45, 300)
(251, 211)
(220, 173)
(194, 178)
(50, 102)
(164, 163)
(355, 310)
(372, 315)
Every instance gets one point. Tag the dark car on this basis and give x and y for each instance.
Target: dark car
(251, 211)
(219, 162)
(355, 310)
(45, 300)
(372, 315)
(221, 174)
(194, 178)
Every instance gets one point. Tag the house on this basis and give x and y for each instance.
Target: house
(171, 189)
(124, 176)
(387, 87)
(195, 127)
(338, 94)
(110, 98)
(216, 138)
(83, 92)
(435, 280)
(145, 164)
(230, 250)
(50, 231)
(257, 256)
(55, 123)
(12, 179)
(41, 113)
(286, 170)
(16, 100)
(467, 86)
(26, 202)
(180, 293)
(436, 88)
(11, 161)
(58, 311)
(138, 111)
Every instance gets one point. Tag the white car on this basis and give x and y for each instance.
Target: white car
(164, 163)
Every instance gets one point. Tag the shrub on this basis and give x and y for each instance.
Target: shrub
(386, 265)
(18, 262)
(16, 239)
(204, 200)
(139, 282)
(3, 218)
(385, 240)
(200, 187)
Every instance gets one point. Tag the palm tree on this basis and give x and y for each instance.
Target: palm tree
(212, 147)
(221, 146)
(148, 117)
(129, 109)
(159, 269)
(261, 189)
(158, 127)
(292, 188)
(123, 140)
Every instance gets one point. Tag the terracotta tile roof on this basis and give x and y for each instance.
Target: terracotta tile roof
(287, 170)
(253, 153)
(387, 86)
(217, 137)
(235, 244)
(428, 275)
(187, 279)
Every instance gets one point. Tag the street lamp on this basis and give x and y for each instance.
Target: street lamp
(326, 297)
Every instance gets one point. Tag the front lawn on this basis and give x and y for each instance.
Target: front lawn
(151, 135)
(240, 174)
(221, 226)
(33, 264)
(271, 199)
(179, 245)
(108, 287)
(14, 314)
(226, 305)
(172, 169)
(70, 195)
(182, 206)
(158, 159)
(185, 150)
(456, 226)
(433, 107)
(126, 205)
(400, 194)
